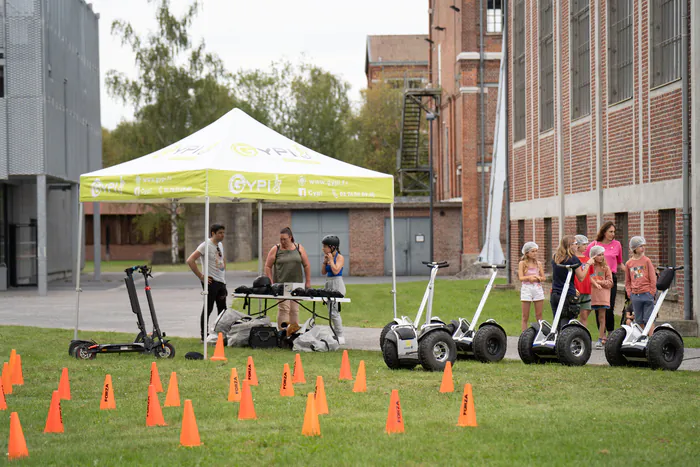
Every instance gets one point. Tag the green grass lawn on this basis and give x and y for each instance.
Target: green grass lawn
(527, 415)
(119, 266)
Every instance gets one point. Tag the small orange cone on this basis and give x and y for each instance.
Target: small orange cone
(189, 433)
(286, 388)
(155, 378)
(467, 413)
(345, 372)
(6, 378)
(16, 447)
(311, 425)
(447, 383)
(107, 401)
(234, 389)
(64, 386)
(246, 409)
(298, 371)
(17, 376)
(3, 402)
(360, 379)
(320, 397)
(54, 421)
(219, 355)
(154, 414)
(172, 398)
(394, 419)
(11, 363)
(251, 376)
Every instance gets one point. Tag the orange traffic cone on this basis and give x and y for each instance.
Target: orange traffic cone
(345, 372)
(172, 398)
(360, 379)
(54, 421)
(320, 397)
(467, 413)
(107, 402)
(154, 414)
(394, 419)
(298, 371)
(64, 386)
(251, 376)
(234, 389)
(246, 409)
(6, 378)
(286, 388)
(11, 363)
(447, 384)
(311, 425)
(3, 403)
(219, 355)
(155, 378)
(16, 447)
(189, 433)
(17, 376)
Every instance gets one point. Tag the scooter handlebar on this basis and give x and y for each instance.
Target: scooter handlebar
(489, 266)
(438, 264)
(675, 268)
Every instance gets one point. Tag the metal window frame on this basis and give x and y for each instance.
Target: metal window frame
(494, 17)
(582, 225)
(546, 56)
(620, 51)
(519, 71)
(667, 237)
(665, 34)
(580, 57)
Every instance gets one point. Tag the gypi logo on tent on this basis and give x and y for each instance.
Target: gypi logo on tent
(97, 187)
(247, 150)
(238, 184)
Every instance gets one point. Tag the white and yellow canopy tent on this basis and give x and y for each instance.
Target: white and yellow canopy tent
(234, 159)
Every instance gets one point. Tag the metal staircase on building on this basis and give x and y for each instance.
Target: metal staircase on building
(412, 161)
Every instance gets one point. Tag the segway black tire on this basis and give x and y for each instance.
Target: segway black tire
(166, 351)
(391, 357)
(382, 335)
(527, 355)
(665, 350)
(573, 346)
(436, 349)
(613, 348)
(81, 352)
(72, 346)
(490, 343)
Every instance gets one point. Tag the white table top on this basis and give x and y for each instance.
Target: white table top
(291, 297)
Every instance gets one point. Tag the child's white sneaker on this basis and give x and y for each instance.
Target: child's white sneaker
(341, 340)
(599, 344)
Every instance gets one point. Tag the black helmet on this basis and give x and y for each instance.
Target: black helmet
(262, 281)
(331, 240)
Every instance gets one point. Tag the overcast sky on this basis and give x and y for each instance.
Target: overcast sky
(252, 34)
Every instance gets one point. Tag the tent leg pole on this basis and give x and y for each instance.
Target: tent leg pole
(393, 259)
(205, 264)
(77, 270)
(260, 247)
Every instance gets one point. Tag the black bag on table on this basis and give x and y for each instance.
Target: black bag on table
(263, 337)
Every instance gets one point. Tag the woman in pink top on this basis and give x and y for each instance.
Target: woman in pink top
(613, 256)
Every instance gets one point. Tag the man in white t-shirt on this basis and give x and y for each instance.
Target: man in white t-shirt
(217, 271)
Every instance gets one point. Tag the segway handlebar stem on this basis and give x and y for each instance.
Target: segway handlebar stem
(472, 325)
(564, 291)
(428, 296)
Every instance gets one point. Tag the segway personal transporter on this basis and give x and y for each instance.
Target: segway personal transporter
(632, 346)
(154, 343)
(570, 345)
(405, 346)
(488, 343)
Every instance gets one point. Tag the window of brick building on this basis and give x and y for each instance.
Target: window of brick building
(548, 244)
(580, 51)
(494, 16)
(667, 237)
(521, 234)
(446, 163)
(519, 71)
(546, 78)
(581, 226)
(620, 50)
(666, 41)
(622, 236)
(2, 81)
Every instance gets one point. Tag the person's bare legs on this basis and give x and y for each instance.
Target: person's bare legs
(584, 317)
(539, 305)
(526, 314)
(601, 325)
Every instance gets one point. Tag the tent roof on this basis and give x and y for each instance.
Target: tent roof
(236, 158)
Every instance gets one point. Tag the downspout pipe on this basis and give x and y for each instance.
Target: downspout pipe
(687, 266)
(482, 123)
(507, 152)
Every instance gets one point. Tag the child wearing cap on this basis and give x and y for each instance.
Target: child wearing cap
(531, 275)
(583, 287)
(601, 283)
(640, 282)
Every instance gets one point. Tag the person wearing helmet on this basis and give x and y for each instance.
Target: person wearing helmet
(640, 282)
(333, 263)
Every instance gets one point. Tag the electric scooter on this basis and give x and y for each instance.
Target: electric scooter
(632, 346)
(405, 346)
(570, 345)
(488, 343)
(154, 343)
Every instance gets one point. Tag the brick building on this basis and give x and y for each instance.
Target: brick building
(609, 145)
(401, 60)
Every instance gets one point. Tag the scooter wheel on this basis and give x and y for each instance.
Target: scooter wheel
(82, 352)
(391, 357)
(72, 346)
(490, 344)
(573, 346)
(665, 350)
(436, 349)
(613, 348)
(527, 338)
(165, 351)
(382, 335)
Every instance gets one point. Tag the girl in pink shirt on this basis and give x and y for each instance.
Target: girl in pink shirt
(601, 282)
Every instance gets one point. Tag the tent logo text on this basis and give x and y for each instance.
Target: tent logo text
(238, 184)
(246, 150)
(97, 187)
